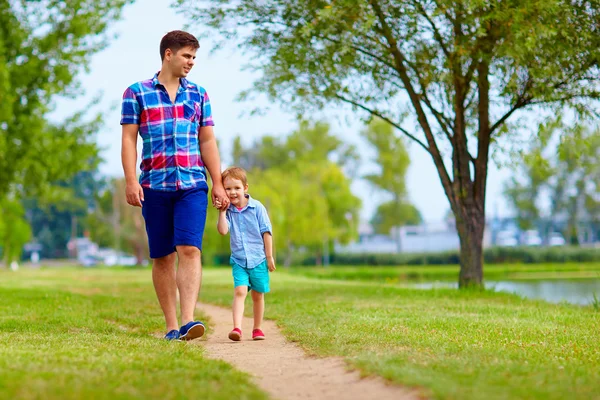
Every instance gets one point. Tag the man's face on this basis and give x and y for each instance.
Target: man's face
(181, 63)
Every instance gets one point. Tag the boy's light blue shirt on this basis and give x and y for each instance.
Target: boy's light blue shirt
(246, 229)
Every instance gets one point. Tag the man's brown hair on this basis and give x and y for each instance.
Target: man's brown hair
(176, 40)
(235, 173)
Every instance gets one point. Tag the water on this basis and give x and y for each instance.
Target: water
(554, 291)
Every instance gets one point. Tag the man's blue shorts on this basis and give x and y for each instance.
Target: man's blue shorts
(256, 278)
(174, 218)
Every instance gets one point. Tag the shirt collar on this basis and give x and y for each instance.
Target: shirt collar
(251, 204)
(183, 83)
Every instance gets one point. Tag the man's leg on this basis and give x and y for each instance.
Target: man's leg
(189, 220)
(157, 210)
(163, 277)
(189, 278)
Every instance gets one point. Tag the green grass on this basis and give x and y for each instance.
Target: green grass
(394, 274)
(88, 333)
(81, 334)
(452, 344)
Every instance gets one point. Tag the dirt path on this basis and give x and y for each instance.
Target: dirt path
(283, 370)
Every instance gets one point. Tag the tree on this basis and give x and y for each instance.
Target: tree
(562, 162)
(457, 70)
(43, 46)
(302, 178)
(116, 224)
(393, 161)
(55, 218)
(534, 171)
(14, 230)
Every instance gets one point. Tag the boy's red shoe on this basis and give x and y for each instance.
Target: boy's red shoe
(235, 334)
(257, 334)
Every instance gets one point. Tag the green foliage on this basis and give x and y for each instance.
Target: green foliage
(563, 162)
(302, 183)
(14, 229)
(494, 255)
(393, 161)
(62, 212)
(116, 224)
(432, 69)
(392, 214)
(43, 46)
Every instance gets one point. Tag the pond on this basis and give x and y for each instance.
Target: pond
(579, 291)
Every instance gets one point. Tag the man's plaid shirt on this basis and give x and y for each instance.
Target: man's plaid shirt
(169, 131)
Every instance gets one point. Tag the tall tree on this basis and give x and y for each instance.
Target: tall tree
(117, 225)
(43, 46)
(310, 191)
(562, 162)
(55, 218)
(393, 161)
(447, 61)
(14, 230)
(533, 172)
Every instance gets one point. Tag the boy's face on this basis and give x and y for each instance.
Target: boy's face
(235, 190)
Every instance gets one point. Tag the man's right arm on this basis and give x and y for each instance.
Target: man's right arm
(133, 190)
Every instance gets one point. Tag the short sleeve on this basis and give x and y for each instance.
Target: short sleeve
(264, 223)
(207, 118)
(228, 218)
(130, 108)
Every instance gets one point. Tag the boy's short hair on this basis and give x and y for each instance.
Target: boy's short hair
(176, 40)
(235, 173)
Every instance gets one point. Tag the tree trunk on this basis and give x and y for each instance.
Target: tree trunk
(470, 233)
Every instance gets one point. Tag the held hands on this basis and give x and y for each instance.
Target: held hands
(219, 205)
(134, 194)
(271, 264)
(219, 198)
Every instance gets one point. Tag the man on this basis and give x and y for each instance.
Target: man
(173, 117)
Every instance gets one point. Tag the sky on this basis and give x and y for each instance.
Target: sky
(134, 56)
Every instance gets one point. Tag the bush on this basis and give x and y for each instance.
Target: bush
(494, 255)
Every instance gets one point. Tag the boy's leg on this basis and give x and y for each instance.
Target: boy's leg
(239, 296)
(259, 282)
(189, 221)
(258, 300)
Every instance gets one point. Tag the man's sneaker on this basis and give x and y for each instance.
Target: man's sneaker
(257, 334)
(191, 330)
(172, 335)
(235, 334)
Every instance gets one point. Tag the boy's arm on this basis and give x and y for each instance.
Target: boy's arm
(268, 239)
(222, 224)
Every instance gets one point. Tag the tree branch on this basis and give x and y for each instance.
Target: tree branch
(436, 32)
(399, 60)
(387, 63)
(378, 114)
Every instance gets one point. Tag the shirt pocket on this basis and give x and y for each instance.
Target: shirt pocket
(191, 111)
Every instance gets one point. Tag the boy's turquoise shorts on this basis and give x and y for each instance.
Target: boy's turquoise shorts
(256, 278)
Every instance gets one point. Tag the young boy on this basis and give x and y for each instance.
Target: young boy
(251, 242)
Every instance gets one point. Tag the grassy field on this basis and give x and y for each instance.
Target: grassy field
(89, 333)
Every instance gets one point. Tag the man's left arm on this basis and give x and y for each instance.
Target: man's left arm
(210, 157)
